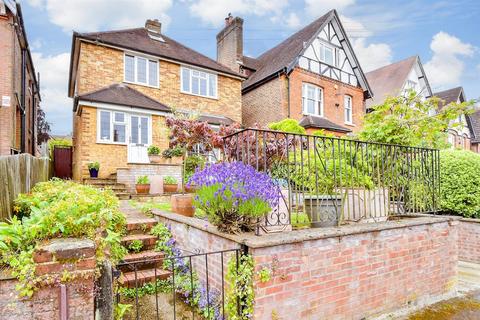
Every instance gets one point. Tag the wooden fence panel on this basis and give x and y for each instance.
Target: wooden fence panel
(18, 174)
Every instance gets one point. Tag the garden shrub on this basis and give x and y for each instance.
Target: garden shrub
(59, 209)
(287, 125)
(191, 164)
(460, 182)
(233, 195)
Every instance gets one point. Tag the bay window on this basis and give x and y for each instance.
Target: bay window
(198, 83)
(141, 70)
(312, 100)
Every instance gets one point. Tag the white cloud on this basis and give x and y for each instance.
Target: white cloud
(213, 12)
(317, 8)
(293, 21)
(446, 66)
(93, 15)
(54, 81)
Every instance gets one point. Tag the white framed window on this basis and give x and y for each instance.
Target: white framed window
(327, 54)
(347, 103)
(451, 139)
(312, 99)
(112, 127)
(198, 82)
(140, 70)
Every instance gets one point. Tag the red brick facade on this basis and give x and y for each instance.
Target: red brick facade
(469, 240)
(11, 86)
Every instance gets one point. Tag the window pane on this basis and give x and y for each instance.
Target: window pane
(144, 130)
(329, 55)
(203, 87)
(119, 133)
(152, 73)
(311, 92)
(212, 85)
(134, 130)
(104, 125)
(119, 117)
(195, 85)
(186, 79)
(311, 106)
(142, 70)
(129, 68)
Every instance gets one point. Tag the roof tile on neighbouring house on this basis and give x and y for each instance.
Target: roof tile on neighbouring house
(122, 94)
(450, 95)
(321, 123)
(389, 80)
(474, 124)
(283, 54)
(138, 39)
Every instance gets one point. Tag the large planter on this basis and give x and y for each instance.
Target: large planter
(142, 188)
(170, 188)
(155, 158)
(363, 205)
(183, 204)
(323, 210)
(93, 173)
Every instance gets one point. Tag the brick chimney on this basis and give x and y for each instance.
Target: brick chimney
(230, 43)
(153, 26)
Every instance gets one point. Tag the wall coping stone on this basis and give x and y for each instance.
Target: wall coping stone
(132, 165)
(274, 239)
(65, 248)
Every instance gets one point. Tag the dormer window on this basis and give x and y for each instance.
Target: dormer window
(141, 70)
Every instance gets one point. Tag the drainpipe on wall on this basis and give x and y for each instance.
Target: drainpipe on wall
(288, 92)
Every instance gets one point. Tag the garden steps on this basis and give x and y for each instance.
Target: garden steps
(147, 240)
(129, 279)
(144, 260)
(120, 189)
(140, 224)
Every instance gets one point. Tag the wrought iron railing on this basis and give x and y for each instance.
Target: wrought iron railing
(328, 181)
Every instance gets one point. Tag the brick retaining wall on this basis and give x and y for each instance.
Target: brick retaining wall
(469, 240)
(79, 260)
(350, 272)
(129, 175)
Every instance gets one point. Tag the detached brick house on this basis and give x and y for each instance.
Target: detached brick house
(19, 87)
(124, 83)
(313, 76)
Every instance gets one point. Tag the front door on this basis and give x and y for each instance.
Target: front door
(139, 139)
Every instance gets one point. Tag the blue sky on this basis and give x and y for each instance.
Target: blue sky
(443, 33)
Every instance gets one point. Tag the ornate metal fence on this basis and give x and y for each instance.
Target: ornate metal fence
(328, 181)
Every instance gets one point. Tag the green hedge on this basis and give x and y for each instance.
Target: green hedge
(460, 182)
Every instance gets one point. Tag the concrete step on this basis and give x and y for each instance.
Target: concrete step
(123, 195)
(99, 181)
(140, 224)
(138, 278)
(147, 239)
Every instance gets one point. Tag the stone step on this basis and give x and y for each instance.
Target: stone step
(147, 239)
(123, 195)
(99, 181)
(142, 260)
(138, 278)
(140, 224)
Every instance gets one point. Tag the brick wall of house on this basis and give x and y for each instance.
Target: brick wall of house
(128, 176)
(100, 66)
(469, 240)
(356, 276)
(266, 103)
(110, 156)
(45, 303)
(6, 82)
(333, 93)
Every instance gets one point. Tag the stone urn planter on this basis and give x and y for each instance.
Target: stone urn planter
(183, 204)
(155, 158)
(323, 210)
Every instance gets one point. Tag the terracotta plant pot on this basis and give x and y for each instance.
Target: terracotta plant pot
(183, 204)
(142, 188)
(170, 188)
(190, 189)
(155, 158)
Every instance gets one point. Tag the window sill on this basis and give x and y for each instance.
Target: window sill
(349, 124)
(112, 143)
(142, 84)
(198, 95)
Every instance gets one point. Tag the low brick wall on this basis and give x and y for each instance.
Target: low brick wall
(349, 272)
(79, 260)
(129, 175)
(469, 240)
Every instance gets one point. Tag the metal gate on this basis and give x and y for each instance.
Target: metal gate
(62, 162)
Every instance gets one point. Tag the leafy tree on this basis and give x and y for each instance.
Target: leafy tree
(287, 125)
(43, 127)
(409, 120)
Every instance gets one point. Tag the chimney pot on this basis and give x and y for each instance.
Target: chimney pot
(153, 26)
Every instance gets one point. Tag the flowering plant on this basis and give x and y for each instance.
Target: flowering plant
(234, 195)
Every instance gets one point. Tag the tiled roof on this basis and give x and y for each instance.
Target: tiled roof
(450, 95)
(389, 80)
(474, 124)
(321, 123)
(122, 94)
(138, 39)
(282, 55)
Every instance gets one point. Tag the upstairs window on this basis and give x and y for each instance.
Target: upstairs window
(199, 83)
(141, 70)
(347, 102)
(327, 54)
(312, 100)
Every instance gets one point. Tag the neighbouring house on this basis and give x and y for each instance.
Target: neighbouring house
(473, 121)
(460, 131)
(396, 79)
(19, 87)
(313, 76)
(125, 82)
